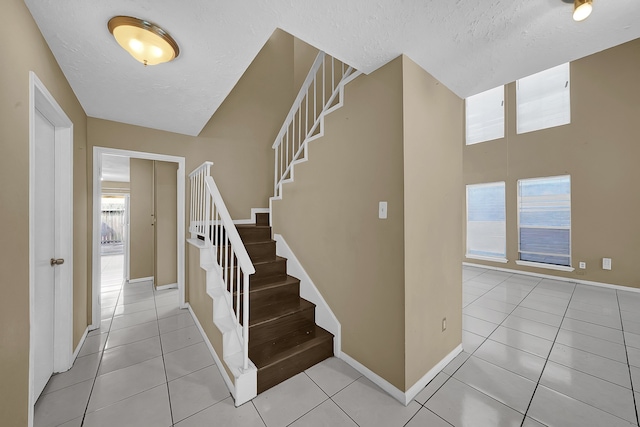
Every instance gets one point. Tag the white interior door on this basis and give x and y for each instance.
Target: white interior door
(44, 292)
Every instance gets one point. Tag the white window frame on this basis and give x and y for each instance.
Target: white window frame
(502, 259)
(542, 120)
(476, 98)
(541, 264)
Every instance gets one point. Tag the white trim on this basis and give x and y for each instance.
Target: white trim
(426, 379)
(543, 265)
(325, 318)
(97, 191)
(375, 378)
(487, 258)
(403, 397)
(167, 286)
(558, 278)
(142, 279)
(252, 220)
(41, 98)
(223, 372)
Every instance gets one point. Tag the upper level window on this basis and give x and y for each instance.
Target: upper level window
(485, 116)
(544, 220)
(486, 237)
(543, 100)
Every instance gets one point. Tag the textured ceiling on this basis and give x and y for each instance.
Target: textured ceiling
(469, 45)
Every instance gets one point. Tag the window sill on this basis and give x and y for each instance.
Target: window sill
(546, 266)
(487, 258)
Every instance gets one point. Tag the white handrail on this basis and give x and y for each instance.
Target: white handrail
(304, 119)
(211, 222)
(196, 211)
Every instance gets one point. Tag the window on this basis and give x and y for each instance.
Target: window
(486, 238)
(544, 220)
(543, 100)
(485, 116)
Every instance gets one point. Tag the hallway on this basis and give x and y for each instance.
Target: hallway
(536, 352)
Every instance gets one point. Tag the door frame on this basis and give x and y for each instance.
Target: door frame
(42, 100)
(97, 191)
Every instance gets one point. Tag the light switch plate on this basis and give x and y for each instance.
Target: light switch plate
(583, 265)
(382, 210)
(606, 263)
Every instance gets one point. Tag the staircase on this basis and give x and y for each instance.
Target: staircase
(284, 339)
(277, 336)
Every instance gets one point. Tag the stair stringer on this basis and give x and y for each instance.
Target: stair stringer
(245, 384)
(320, 134)
(324, 316)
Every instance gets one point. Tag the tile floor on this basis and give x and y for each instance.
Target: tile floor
(536, 352)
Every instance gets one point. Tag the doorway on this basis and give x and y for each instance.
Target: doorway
(113, 238)
(50, 239)
(99, 154)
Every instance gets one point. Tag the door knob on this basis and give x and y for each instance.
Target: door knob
(55, 261)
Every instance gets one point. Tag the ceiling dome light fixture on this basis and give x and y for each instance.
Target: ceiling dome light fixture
(582, 9)
(146, 42)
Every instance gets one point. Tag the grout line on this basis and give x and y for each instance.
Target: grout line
(95, 378)
(547, 358)
(624, 342)
(331, 397)
(257, 412)
(164, 365)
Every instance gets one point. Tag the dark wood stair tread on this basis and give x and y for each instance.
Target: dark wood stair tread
(262, 315)
(271, 284)
(268, 271)
(276, 350)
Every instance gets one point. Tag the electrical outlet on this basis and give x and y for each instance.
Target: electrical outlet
(606, 263)
(444, 324)
(583, 265)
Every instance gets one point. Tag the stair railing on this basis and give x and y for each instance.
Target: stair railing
(317, 95)
(211, 222)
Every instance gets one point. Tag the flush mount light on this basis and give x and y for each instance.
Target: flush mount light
(582, 9)
(146, 42)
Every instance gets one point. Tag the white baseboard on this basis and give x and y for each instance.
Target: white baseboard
(426, 379)
(252, 220)
(558, 278)
(325, 318)
(168, 286)
(223, 372)
(403, 397)
(142, 279)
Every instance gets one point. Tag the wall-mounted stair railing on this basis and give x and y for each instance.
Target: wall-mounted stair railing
(318, 96)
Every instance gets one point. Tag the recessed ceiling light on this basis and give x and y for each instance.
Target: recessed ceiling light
(145, 41)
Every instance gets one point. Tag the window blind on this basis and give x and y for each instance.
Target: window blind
(486, 227)
(543, 100)
(485, 116)
(544, 220)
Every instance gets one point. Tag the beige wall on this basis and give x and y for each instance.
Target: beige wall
(25, 50)
(329, 218)
(166, 231)
(141, 219)
(599, 149)
(201, 303)
(237, 139)
(433, 118)
(303, 56)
